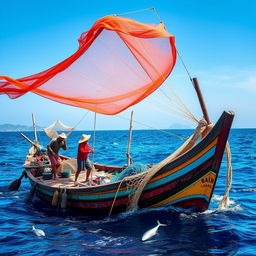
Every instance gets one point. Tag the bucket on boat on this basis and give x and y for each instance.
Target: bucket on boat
(47, 175)
(65, 173)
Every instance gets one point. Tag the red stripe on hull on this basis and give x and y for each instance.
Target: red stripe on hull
(175, 183)
(198, 205)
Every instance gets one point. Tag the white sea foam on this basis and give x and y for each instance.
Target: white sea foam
(96, 231)
(229, 208)
(72, 229)
(190, 216)
(216, 198)
(244, 190)
(235, 208)
(106, 240)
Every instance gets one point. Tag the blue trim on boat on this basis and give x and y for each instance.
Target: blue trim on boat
(160, 182)
(157, 183)
(182, 171)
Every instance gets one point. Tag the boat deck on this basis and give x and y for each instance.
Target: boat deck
(69, 182)
(98, 177)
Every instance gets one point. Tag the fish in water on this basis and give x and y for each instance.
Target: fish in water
(38, 232)
(153, 231)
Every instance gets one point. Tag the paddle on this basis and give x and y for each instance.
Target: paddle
(29, 140)
(15, 184)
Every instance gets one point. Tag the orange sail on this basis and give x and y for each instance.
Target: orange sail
(119, 62)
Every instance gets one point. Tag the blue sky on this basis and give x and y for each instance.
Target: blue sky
(216, 39)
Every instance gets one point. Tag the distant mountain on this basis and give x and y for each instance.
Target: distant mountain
(17, 127)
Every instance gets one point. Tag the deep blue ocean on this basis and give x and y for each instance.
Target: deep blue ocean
(229, 231)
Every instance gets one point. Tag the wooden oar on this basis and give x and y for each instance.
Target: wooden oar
(15, 184)
(29, 140)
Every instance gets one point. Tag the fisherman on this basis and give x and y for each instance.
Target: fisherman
(53, 152)
(83, 162)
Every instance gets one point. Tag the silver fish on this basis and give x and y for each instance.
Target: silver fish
(38, 232)
(151, 232)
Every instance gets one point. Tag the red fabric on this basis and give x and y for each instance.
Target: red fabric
(83, 150)
(118, 63)
(55, 160)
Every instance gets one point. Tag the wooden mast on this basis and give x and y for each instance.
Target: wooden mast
(34, 127)
(129, 158)
(201, 99)
(94, 135)
(93, 145)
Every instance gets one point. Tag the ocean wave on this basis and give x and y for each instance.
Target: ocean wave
(253, 189)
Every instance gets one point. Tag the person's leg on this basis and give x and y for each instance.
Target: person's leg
(53, 164)
(76, 177)
(58, 165)
(88, 167)
(88, 172)
(58, 170)
(79, 168)
(54, 171)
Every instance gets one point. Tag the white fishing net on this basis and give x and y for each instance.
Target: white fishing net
(52, 130)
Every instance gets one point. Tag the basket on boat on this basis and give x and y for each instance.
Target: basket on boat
(65, 173)
(47, 175)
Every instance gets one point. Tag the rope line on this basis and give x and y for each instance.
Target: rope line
(181, 104)
(141, 10)
(158, 17)
(184, 65)
(77, 123)
(113, 203)
(225, 200)
(151, 127)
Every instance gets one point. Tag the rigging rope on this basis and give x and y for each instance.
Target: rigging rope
(180, 104)
(165, 109)
(151, 127)
(184, 110)
(141, 10)
(188, 113)
(187, 145)
(77, 124)
(225, 200)
(184, 65)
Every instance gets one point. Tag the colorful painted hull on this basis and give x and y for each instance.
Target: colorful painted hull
(186, 182)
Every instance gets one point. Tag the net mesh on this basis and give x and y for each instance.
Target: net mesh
(139, 182)
(52, 130)
(114, 67)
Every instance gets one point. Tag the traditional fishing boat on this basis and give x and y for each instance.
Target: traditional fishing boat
(119, 63)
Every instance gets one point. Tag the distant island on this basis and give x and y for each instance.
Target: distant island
(17, 128)
(20, 128)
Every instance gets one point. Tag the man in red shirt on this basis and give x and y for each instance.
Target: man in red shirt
(83, 162)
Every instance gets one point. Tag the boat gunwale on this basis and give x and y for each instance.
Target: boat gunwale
(170, 165)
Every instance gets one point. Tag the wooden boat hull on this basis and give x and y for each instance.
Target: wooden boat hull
(187, 182)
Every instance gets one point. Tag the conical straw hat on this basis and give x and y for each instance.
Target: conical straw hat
(84, 138)
(63, 135)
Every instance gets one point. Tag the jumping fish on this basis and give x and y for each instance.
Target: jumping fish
(38, 232)
(148, 234)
